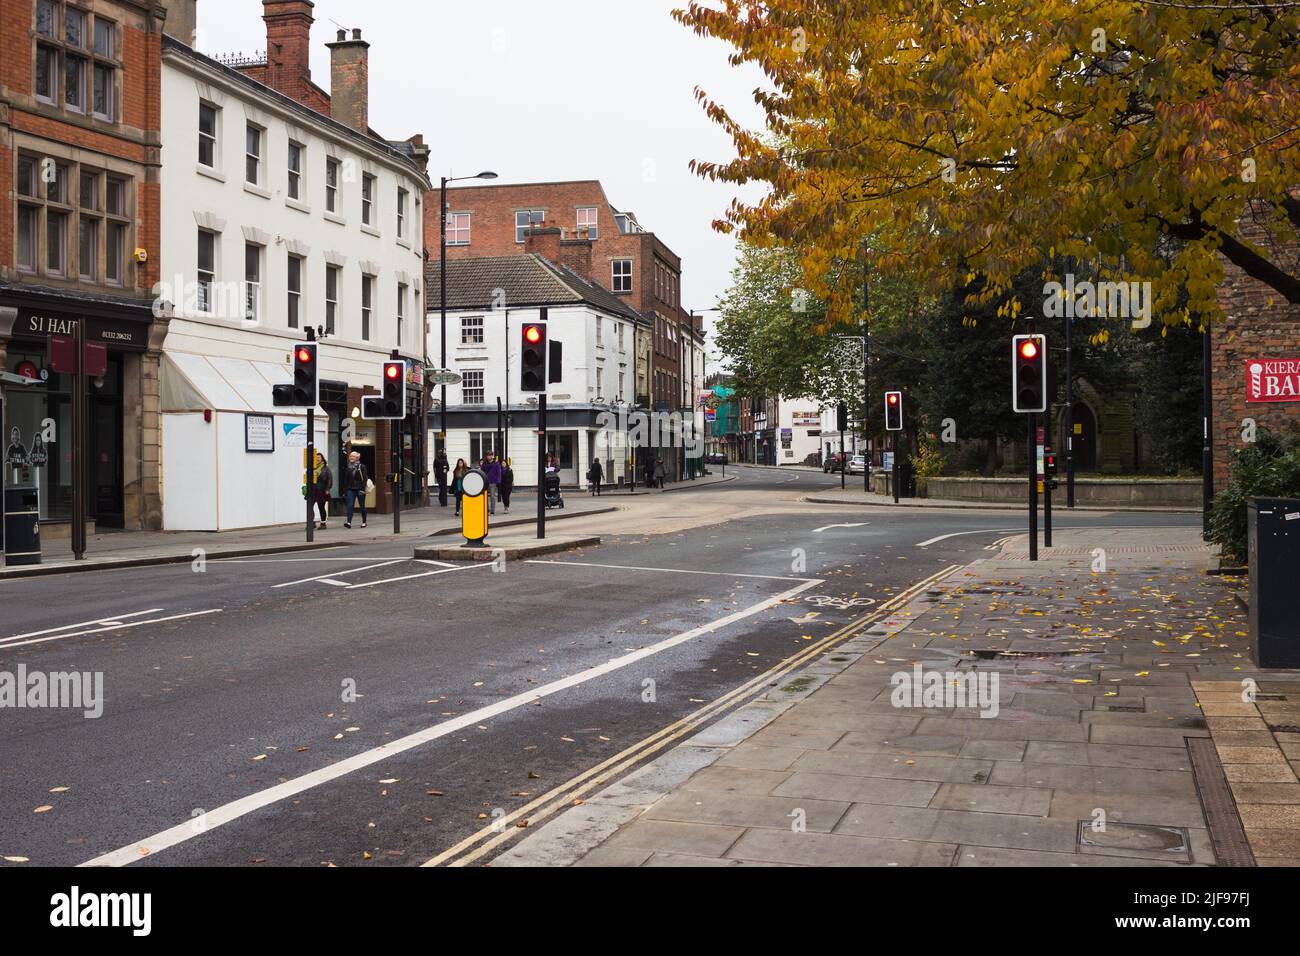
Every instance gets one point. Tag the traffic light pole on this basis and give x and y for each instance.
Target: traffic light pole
(1047, 507)
(80, 459)
(1069, 415)
(844, 461)
(311, 473)
(893, 469)
(1032, 447)
(541, 465)
(397, 475)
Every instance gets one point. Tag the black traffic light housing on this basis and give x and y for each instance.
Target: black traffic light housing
(304, 391)
(532, 357)
(893, 411)
(1029, 373)
(390, 403)
(842, 417)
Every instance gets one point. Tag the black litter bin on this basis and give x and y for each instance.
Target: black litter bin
(906, 479)
(22, 525)
(1273, 527)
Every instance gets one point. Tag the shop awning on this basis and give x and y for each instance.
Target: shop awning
(194, 383)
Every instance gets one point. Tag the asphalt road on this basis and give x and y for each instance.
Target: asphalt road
(356, 707)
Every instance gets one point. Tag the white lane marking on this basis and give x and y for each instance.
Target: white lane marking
(332, 574)
(396, 557)
(337, 584)
(68, 627)
(625, 567)
(255, 801)
(426, 574)
(436, 564)
(102, 630)
(857, 524)
(957, 534)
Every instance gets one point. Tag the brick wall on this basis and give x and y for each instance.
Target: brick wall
(1258, 323)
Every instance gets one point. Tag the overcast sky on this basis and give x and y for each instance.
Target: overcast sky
(541, 91)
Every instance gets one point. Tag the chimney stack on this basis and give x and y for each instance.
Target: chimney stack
(350, 81)
(288, 46)
(182, 20)
(576, 254)
(543, 240)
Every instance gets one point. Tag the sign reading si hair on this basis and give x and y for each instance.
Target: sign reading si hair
(474, 507)
(133, 336)
(1273, 380)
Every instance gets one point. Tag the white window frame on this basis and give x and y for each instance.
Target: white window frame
(616, 275)
(296, 150)
(254, 136)
(368, 183)
(333, 274)
(593, 229)
(401, 311)
(252, 300)
(367, 305)
(207, 278)
(454, 229)
(294, 296)
(520, 231)
(479, 390)
(471, 330)
(214, 138)
(332, 169)
(402, 195)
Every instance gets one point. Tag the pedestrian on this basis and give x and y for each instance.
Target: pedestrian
(649, 471)
(356, 485)
(457, 477)
(659, 472)
(596, 475)
(322, 482)
(507, 483)
(440, 469)
(492, 471)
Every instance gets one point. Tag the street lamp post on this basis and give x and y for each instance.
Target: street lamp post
(442, 279)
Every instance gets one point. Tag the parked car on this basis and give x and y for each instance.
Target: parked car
(715, 458)
(834, 462)
(857, 465)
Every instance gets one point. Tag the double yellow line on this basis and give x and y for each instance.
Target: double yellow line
(507, 828)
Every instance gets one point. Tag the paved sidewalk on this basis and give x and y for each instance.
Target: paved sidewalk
(1120, 735)
(856, 496)
(131, 548)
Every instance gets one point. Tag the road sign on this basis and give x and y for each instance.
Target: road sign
(444, 377)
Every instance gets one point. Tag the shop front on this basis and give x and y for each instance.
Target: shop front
(38, 429)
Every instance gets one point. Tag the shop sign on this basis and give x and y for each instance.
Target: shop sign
(1273, 380)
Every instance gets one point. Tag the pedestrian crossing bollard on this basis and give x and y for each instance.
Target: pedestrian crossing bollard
(474, 507)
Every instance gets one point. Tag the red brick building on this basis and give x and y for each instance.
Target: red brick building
(79, 155)
(1258, 325)
(575, 224)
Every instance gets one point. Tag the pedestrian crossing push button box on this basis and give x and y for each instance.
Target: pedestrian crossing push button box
(474, 507)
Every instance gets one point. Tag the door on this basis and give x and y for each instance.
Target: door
(1085, 438)
(563, 445)
(104, 468)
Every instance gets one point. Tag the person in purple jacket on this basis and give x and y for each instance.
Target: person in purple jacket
(492, 469)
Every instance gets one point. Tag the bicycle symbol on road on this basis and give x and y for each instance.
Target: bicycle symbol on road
(825, 600)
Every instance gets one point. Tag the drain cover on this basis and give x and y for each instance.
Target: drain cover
(1134, 836)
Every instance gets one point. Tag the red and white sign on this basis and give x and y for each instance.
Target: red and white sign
(1273, 380)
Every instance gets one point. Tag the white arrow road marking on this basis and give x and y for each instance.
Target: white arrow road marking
(857, 524)
(256, 801)
(69, 627)
(955, 534)
(112, 627)
(338, 574)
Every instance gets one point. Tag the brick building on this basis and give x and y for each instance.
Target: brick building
(1258, 325)
(575, 222)
(79, 243)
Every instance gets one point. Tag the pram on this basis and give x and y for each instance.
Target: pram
(551, 489)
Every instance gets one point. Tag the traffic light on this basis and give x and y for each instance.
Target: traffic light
(1029, 373)
(893, 411)
(390, 403)
(304, 392)
(841, 417)
(532, 358)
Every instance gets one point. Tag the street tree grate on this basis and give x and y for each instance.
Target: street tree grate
(1226, 831)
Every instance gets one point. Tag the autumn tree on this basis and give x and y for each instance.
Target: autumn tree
(981, 139)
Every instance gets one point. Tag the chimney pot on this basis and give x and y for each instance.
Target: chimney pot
(356, 34)
(343, 35)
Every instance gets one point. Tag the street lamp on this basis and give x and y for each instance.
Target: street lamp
(442, 278)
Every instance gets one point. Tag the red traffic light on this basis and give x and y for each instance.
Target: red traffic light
(532, 334)
(392, 370)
(304, 354)
(1029, 349)
(893, 398)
